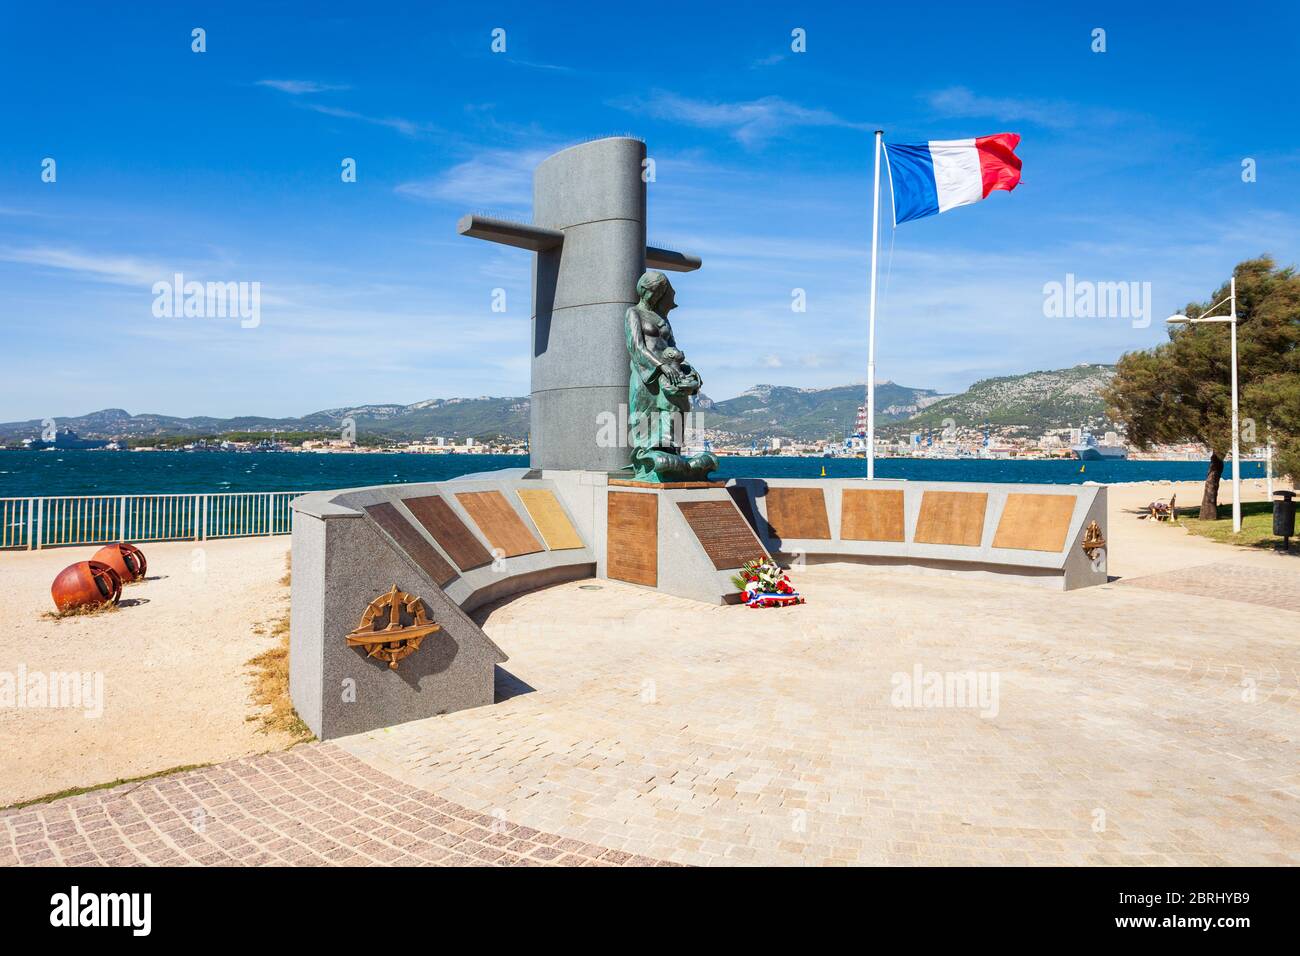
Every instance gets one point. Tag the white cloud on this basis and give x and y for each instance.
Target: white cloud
(958, 101)
(299, 87)
(495, 177)
(122, 270)
(130, 271)
(404, 126)
(750, 122)
(761, 251)
(534, 65)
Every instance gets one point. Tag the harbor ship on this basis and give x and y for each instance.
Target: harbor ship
(1089, 449)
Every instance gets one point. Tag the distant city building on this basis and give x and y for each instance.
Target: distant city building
(333, 444)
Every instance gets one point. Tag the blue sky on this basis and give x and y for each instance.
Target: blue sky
(225, 166)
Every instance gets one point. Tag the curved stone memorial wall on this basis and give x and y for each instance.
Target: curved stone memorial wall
(1032, 533)
(454, 546)
(436, 552)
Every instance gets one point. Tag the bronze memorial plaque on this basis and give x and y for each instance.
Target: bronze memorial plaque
(797, 513)
(951, 517)
(1034, 522)
(722, 532)
(449, 531)
(875, 515)
(632, 537)
(548, 514)
(412, 542)
(499, 522)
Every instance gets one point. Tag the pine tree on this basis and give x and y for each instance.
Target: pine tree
(1181, 390)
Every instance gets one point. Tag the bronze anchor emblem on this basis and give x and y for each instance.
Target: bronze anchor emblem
(396, 640)
(1093, 541)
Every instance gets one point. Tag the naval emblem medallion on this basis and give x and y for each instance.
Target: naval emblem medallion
(392, 627)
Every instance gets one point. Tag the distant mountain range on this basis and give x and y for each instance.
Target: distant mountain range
(1025, 404)
(766, 411)
(1032, 402)
(450, 417)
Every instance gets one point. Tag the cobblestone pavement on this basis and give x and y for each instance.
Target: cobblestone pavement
(1267, 587)
(313, 805)
(1125, 730)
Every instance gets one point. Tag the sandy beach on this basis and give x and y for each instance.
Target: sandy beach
(173, 658)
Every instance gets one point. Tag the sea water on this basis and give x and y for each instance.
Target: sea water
(49, 473)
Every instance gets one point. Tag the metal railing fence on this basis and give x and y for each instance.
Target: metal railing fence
(31, 523)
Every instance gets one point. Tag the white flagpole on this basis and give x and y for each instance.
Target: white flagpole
(1236, 432)
(871, 325)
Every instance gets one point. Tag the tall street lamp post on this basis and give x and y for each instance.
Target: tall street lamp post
(1231, 319)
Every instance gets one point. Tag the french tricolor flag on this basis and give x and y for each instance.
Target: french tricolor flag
(927, 178)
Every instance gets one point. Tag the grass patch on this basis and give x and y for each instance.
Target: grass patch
(83, 610)
(271, 678)
(288, 569)
(271, 686)
(1256, 525)
(77, 791)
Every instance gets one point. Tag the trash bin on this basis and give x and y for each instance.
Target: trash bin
(1284, 516)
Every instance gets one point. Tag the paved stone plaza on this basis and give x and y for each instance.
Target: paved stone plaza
(1249, 584)
(1133, 725)
(311, 806)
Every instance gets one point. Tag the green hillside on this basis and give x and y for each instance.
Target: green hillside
(1025, 404)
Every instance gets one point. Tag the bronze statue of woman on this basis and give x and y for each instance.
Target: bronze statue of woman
(660, 388)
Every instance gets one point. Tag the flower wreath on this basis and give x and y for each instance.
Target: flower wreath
(762, 583)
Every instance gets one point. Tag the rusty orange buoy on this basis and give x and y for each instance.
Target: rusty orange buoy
(86, 583)
(126, 559)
